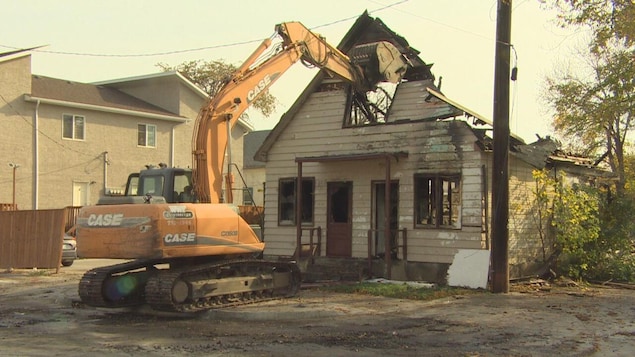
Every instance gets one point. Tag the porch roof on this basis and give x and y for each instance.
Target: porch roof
(352, 157)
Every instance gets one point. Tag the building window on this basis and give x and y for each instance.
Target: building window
(248, 196)
(287, 201)
(437, 201)
(147, 135)
(73, 127)
(369, 108)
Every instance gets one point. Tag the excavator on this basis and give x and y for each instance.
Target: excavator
(194, 253)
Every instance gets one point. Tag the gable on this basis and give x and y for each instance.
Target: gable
(367, 29)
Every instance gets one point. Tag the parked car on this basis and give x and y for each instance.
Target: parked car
(69, 250)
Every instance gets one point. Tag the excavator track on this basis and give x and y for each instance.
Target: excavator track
(223, 284)
(120, 285)
(189, 288)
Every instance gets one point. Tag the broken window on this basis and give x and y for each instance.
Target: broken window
(287, 201)
(371, 107)
(437, 201)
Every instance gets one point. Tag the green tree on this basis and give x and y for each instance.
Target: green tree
(595, 106)
(609, 20)
(593, 234)
(211, 76)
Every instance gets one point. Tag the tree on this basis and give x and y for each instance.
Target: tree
(595, 110)
(212, 75)
(609, 20)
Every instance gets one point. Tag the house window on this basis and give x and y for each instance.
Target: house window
(147, 135)
(73, 127)
(371, 107)
(248, 196)
(437, 201)
(287, 201)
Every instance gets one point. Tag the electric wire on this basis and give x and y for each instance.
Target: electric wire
(384, 7)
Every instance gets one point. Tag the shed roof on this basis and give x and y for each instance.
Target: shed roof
(251, 144)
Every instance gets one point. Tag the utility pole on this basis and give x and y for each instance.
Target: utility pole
(14, 167)
(500, 171)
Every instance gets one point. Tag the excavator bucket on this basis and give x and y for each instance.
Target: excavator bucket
(380, 61)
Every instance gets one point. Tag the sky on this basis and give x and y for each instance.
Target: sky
(91, 41)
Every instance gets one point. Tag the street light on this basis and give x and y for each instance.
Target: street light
(14, 166)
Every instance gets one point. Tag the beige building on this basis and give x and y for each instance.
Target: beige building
(69, 143)
(437, 156)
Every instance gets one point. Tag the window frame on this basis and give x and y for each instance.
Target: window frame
(308, 188)
(146, 126)
(74, 131)
(439, 187)
(375, 106)
(248, 196)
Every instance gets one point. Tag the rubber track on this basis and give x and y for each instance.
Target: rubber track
(159, 287)
(91, 286)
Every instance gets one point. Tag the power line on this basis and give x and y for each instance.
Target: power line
(40, 131)
(233, 44)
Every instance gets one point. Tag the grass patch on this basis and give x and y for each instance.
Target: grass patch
(38, 272)
(401, 291)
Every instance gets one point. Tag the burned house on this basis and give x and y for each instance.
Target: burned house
(395, 183)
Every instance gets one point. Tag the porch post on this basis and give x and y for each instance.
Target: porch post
(298, 213)
(387, 245)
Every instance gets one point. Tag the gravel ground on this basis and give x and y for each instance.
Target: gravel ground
(40, 315)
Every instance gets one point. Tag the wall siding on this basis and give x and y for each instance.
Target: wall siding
(440, 146)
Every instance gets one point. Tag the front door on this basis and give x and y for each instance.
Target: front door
(339, 228)
(379, 217)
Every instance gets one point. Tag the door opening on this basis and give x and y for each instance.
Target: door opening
(339, 230)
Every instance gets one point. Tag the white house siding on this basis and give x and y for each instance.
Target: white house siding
(525, 245)
(412, 101)
(433, 147)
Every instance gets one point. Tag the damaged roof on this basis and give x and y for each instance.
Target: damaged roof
(543, 153)
(365, 30)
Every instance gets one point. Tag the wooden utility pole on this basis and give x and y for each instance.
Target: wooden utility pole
(500, 171)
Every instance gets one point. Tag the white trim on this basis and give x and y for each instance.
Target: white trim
(146, 139)
(187, 82)
(73, 138)
(15, 56)
(100, 108)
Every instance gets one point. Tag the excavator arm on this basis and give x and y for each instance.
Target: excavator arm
(374, 63)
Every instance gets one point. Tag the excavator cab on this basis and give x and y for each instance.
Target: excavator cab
(155, 185)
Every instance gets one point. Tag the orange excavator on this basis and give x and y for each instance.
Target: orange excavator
(187, 251)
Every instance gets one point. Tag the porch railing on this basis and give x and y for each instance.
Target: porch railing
(8, 207)
(398, 244)
(70, 219)
(313, 247)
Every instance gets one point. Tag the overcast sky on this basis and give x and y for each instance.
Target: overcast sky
(90, 41)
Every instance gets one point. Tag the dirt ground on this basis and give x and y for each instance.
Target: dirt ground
(40, 316)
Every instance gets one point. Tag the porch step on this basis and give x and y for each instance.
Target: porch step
(338, 269)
